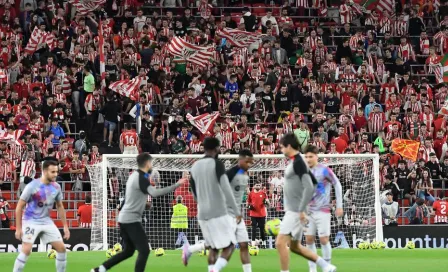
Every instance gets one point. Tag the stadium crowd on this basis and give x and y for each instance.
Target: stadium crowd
(347, 84)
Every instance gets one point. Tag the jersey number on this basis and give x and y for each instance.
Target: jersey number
(29, 230)
(442, 208)
(129, 140)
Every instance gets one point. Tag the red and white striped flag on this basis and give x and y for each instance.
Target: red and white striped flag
(13, 138)
(386, 5)
(38, 37)
(198, 55)
(126, 87)
(85, 6)
(239, 38)
(204, 122)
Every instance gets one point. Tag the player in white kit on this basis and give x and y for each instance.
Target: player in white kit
(129, 140)
(298, 191)
(37, 199)
(239, 181)
(319, 209)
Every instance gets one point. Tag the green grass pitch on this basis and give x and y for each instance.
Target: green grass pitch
(349, 260)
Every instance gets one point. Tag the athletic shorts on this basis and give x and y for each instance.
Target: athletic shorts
(241, 232)
(320, 222)
(291, 226)
(219, 232)
(48, 233)
(130, 150)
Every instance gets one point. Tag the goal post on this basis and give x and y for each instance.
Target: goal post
(358, 173)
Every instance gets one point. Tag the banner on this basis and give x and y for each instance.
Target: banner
(79, 241)
(424, 236)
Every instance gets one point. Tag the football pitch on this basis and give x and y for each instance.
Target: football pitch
(347, 260)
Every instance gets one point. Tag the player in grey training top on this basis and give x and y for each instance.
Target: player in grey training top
(134, 237)
(37, 199)
(239, 180)
(298, 191)
(212, 191)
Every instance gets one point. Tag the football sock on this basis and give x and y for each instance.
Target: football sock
(321, 263)
(220, 264)
(326, 252)
(284, 270)
(102, 269)
(210, 268)
(61, 261)
(247, 268)
(196, 248)
(20, 262)
(312, 264)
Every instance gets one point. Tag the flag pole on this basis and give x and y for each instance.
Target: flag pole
(102, 61)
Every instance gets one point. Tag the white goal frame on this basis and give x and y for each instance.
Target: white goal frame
(373, 157)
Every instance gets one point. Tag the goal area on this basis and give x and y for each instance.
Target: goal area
(358, 174)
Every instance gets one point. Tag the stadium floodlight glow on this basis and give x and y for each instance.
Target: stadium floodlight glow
(358, 173)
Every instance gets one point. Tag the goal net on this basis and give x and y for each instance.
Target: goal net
(358, 174)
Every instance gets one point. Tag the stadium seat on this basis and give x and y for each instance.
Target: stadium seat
(70, 214)
(58, 223)
(405, 202)
(54, 214)
(258, 8)
(74, 223)
(68, 187)
(7, 195)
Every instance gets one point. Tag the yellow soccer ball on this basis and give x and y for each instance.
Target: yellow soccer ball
(118, 247)
(160, 252)
(363, 245)
(254, 251)
(51, 254)
(410, 245)
(272, 227)
(381, 245)
(374, 245)
(203, 252)
(110, 252)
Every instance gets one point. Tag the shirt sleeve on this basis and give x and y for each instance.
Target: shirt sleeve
(147, 188)
(27, 192)
(308, 181)
(58, 197)
(225, 187)
(337, 187)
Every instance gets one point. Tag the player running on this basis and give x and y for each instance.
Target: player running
(319, 209)
(239, 180)
(214, 196)
(132, 233)
(299, 186)
(129, 141)
(38, 197)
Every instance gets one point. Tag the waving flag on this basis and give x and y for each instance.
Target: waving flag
(198, 55)
(204, 122)
(443, 71)
(85, 6)
(38, 37)
(13, 138)
(239, 38)
(126, 87)
(406, 148)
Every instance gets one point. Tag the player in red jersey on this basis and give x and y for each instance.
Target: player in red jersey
(440, 208)
(129, 140)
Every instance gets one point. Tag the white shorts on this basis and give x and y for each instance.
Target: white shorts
(241, 232)
(219, 232)
(291, 226)
(130, 150)
(48, 233)
(320, 222)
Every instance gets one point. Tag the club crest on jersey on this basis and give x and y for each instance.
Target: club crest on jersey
(188, 53)
(240, 37)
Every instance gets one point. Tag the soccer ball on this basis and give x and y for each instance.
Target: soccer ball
(253, 251)
(118, 247)
(381, 245)
(51, 254)
(160, 252)
(110, 253)
(374, 245)
(203, 252)
(363, 245)
(273, 227)
(410, 245)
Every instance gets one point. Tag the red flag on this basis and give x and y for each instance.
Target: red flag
(406, 148)
(239, 38)
(126, 87)
(204, 122)
(85, 6)
(198, 55)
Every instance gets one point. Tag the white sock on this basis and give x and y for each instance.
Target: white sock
(321, 263)
(247, 267)
(20, 262)
(210, 268)
(312, 264)
(102, 268)
(196, 248)
(326, 252)
(220, 264)
(61, 261)
(284, 270)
